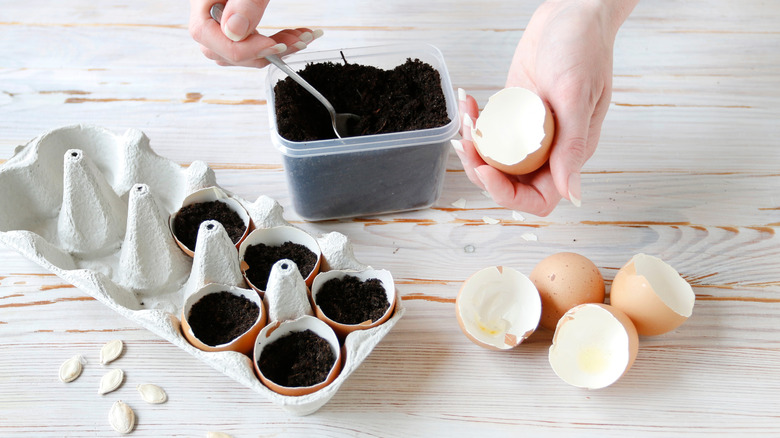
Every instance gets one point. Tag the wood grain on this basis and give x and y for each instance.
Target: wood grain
(688, 169)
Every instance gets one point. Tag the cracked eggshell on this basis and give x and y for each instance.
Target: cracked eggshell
(276, 236)
(210, 194)
(243, 343)
(593, 346)
(565, 280)
(279, 329)
(515, 131)
(498, 308)
(652, 294)
(342, 330)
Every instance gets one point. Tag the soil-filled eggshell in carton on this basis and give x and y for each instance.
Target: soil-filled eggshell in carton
(283, 240)
(341, 328)
(243, 343)
(205, 196)
(33, 192)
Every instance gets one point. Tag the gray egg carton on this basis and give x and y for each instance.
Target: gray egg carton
(92, 207)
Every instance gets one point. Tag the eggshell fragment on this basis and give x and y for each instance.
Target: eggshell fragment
(515, 131)
(652, 294)
(565, 280)
(498, 308)
(593, 346)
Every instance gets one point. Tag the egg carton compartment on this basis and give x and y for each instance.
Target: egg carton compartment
(92, 207)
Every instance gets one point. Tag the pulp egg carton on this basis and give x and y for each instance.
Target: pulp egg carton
(93, 207)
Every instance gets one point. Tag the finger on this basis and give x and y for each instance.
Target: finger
(536, 195)
(466, 105)
(241, 17)
(470, 159)
(571, 146)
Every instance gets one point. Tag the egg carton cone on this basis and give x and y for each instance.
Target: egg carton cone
(92, 207)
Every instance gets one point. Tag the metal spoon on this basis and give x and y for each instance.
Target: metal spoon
(340, 121)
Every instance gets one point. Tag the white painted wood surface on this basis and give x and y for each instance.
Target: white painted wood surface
(688, 169)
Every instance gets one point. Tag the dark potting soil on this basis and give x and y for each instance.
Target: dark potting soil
(261, 258)
(349, 300)
(298, 359)
(406, 98)
(221, 317)
(189, 218)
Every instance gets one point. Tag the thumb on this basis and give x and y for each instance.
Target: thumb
(241, 17)
(570, 151)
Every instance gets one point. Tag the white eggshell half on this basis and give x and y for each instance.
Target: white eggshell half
(514, 132)
(593, 346)
(498, 308)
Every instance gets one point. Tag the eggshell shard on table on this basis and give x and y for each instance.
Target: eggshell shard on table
(342, 329)
(32, 182)
(514, 132)
(565, 280)
(498, 308)
(652, 294)
(593, 346)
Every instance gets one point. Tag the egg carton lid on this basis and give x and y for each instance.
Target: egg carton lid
(38, 183)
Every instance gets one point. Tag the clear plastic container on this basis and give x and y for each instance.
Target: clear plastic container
(371, 174)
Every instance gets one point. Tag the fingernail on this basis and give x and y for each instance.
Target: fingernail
(458, 146)
(236, 27)
(481, 178)
(467, 121)
(300, 45)
(461, 94)
(273, 50)
(317, 33)
(306, 37)
(574, 189)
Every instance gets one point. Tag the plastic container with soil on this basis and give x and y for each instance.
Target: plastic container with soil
(366, 174)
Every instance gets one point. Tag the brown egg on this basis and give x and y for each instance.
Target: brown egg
(566, 280)
(515, 131)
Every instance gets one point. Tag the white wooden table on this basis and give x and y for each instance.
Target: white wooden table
(688, 169)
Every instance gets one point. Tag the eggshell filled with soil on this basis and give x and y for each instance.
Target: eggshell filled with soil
(353, 300)
(514, 132)
(210, 203)
(652, 294)
(593, 346)
(498, 308)
(296, 359)
(265, 246)
(565, 280)
(226, 310)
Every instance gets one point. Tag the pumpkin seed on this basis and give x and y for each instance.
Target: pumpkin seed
(111, 350)
(217, 435)
(71, 369)
(111, 381)
(121, 417)
(152, 393)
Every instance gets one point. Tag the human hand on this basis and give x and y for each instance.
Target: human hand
(236, 41)
(565, 56)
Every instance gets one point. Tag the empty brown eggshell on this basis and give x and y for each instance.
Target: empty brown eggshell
(276, 330)
(276, 236)
(210, 194)
(341, 329)
(652, 294)
(243, 343)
